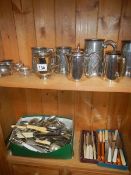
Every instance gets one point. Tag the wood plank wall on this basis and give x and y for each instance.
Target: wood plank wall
(89, 110)
(24, 24)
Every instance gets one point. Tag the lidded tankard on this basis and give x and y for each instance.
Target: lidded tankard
(94, 50)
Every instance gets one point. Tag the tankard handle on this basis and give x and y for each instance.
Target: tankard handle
(111, 43)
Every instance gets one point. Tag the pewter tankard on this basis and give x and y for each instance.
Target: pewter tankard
(61, 56)
(114, 65)
(94, 51)
(126, 52)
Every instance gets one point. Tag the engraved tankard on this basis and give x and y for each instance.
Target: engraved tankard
(94, 53)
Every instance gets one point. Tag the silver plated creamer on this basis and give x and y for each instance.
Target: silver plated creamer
(94, 51)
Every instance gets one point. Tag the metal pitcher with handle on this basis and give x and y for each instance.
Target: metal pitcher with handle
(61, 56)
(94, 53)
(114, 66)
(126, 52)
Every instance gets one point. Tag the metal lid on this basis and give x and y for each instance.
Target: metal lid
(78, 51)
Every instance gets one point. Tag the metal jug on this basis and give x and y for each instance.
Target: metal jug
(94, 50)
(114, 65)
(61, 56)
(42, 61)
(76, 65)
(126, 52)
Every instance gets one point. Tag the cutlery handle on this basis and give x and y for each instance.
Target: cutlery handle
(122, 157)
(118, 160)
(102, 151)
(99, 150)
(109, 154)
(115, 155)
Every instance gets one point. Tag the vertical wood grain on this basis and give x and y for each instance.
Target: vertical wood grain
(19, 104)
(109, 19)
(34, 101)
(66, 103)
(65, 22)
(7, 31)
(50, 102)
(4, 168)
(125, 27)
(1, 48)
(24, 21)
(44, 22)
(118, 103)
(99, 110)
(86, 20)
(7, 113)
(83, 111)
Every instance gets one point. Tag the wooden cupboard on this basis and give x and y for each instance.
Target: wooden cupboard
(92, 104)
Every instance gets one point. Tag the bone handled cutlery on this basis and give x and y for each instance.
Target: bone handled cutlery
(106, 145)
(94, 146)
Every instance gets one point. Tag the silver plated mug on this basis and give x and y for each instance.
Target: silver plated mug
(126, 52)
(94, 53)
(61, 59)
(114, 66)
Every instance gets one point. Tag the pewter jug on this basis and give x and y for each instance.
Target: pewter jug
(94, 50)
(126, 52)
(42, 61)
(61, 56)
(114, 65)
(76, 65)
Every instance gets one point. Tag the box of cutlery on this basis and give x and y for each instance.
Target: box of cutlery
(110, 149)
(42, 136)
(88, 152)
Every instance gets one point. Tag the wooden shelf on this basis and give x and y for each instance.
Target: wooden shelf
(70, 164)
(60, 82)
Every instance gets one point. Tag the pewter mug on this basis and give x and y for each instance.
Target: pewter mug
(42, 61)
(126, 52)
(94, 50)
(62, 61)
(76, 65)
(114, 65)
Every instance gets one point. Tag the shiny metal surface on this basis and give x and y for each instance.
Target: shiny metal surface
(43, 61)
(62, 54)
(126, 52)
(114, 66)
(76, 65)
(94, 50)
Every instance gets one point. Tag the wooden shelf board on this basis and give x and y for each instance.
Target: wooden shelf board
(70, 164)
(60, 82)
